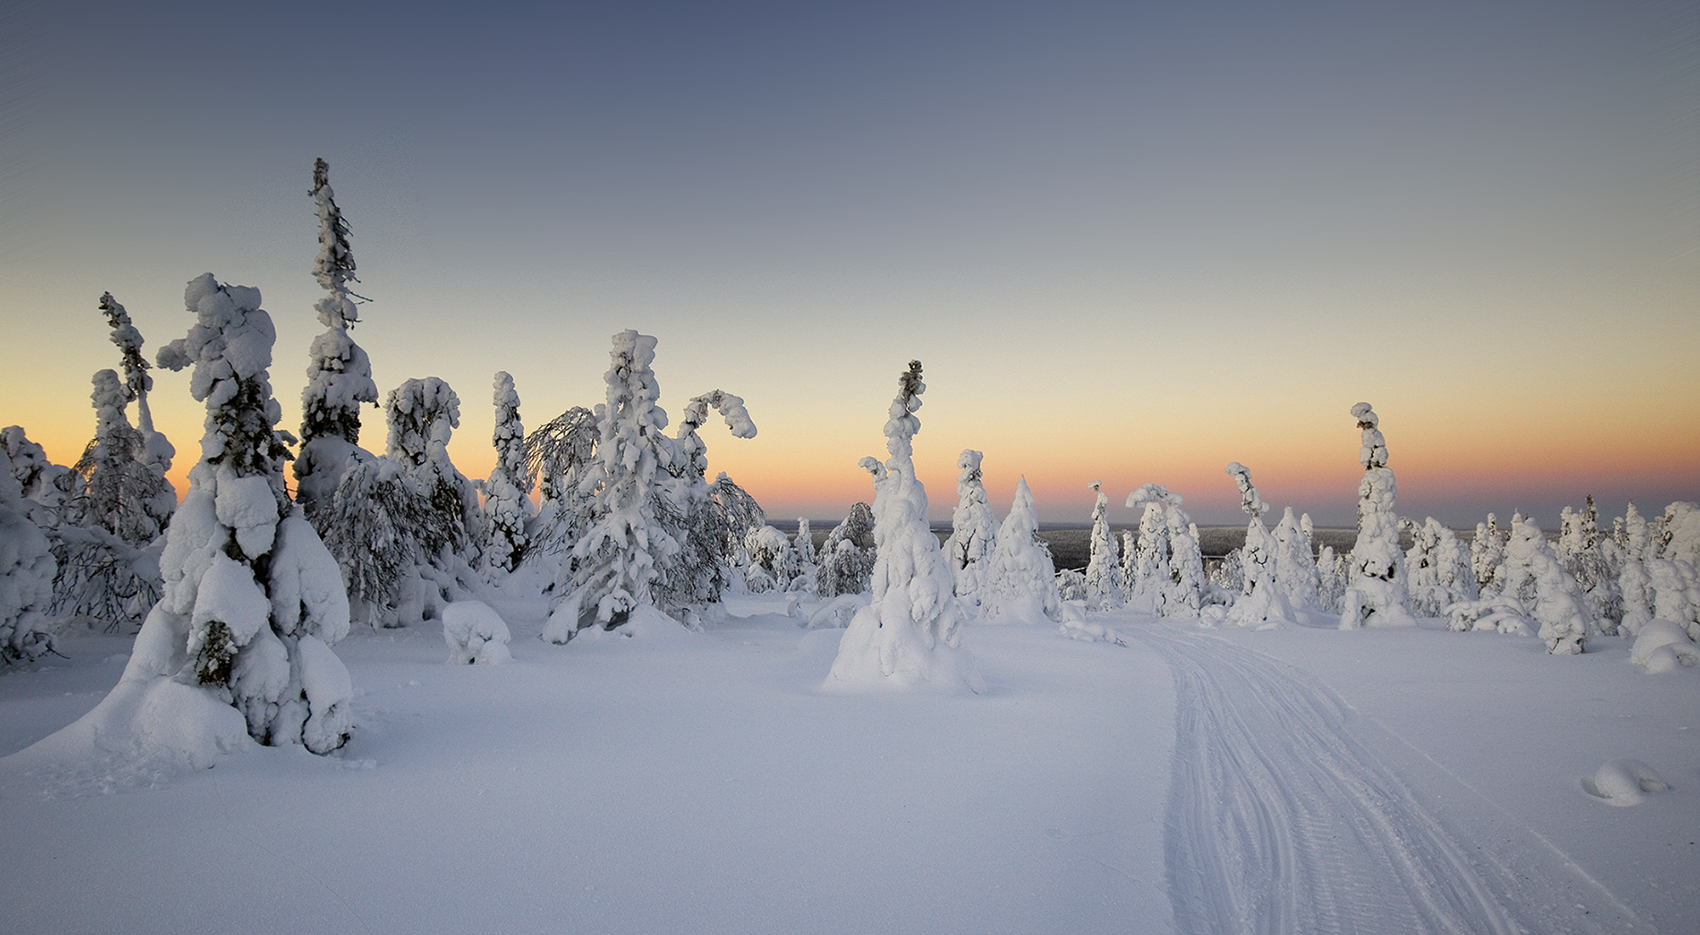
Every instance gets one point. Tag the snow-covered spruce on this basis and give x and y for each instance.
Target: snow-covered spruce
(1103, 568)
(1534, 593)
(507, 500)
(1022, 582)
(1438, 569)
(1295, 561)
(973, 529)
(615, 565)
(1165, 569)
(339, 375)
(911, 633)
(154, 451)
(558, 454)
(26, 575)
(1487, 553)
(1634, 586)
(773, 561)
(845, 564)
(804, 545)
(239, 645)
(710, 522)
(52, 492)
(1261, 598)
(1592, 562)
(1375, 586)
(1677, 533)
(121, 493)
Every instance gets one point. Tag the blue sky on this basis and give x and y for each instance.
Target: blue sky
(1128, 241)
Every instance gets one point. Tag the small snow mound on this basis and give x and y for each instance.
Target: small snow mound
(1076, 626)
(476, 634)
(645, 624)
(1664, 646)
(1623, 782)
(836, 613)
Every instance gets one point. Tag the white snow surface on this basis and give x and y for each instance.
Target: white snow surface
(655, 780)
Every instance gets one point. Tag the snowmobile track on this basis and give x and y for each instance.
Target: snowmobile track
(1281, 820)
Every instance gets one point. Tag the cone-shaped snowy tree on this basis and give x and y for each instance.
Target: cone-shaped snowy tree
(507, 504)
(1103, 569)
(974, 529)
(846, 561)
(1166, 568)
(1635, 586)
(1261, 598)
(911, 633)
(1375, 585)
(615, 565)
(339, 375)
(1022, 582)
(239, 645)
(1295, 563)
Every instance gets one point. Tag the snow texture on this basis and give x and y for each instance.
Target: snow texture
(911, 634)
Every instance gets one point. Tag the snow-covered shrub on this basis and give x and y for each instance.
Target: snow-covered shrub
(846, 561)
(1295, 561)
(911, 632)
(26, 576)
(1022, 584)
(252, 598)
(1375, 587)
(1664, 646)
(1103, 570)
(1071, 586)
(476, 634)
(339, 375)
(507, 500)
(1438, 568)
(973, 529)
(1261, 598)
(614, 566)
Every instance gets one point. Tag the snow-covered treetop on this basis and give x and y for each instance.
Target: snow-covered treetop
(1249, 500)
(969, 464)
(422, 415)
(1374, 452)
(693, 453)
(334, 265)
(509, 434)
(1153, 493)
(903, 424)
(129, 342)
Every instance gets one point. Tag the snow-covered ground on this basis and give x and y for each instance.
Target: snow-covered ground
(1392, 780)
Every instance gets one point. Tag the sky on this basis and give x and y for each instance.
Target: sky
(1128, 242)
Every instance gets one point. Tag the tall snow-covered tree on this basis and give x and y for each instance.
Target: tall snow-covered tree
(1103, 568)
(240, 642)
(911, 632)
(154, 450)
(507, 501)
(1261, 598)
(339, 375)
(973, 529)
(1022, 582)
(1375, 587)
(617, 562)
(27, 571)
(1635, 586)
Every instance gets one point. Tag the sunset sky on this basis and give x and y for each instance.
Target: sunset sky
(1128, 241)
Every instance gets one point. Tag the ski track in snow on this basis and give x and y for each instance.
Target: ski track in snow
(1281, 819)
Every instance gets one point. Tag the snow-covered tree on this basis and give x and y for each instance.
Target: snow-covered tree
(1487, 553)
(1677, 533)
(1022, 583)
(1103, 569)
(1533, 591)
(121, 492)
(973, 529)
(1295, 561)
(154, 450)
(1438, 568)
(507, 500)
(1582, 553)
(911, 632)
(240, 641)
(773, 562)
(1331, 579)
(710, 522)
(615, 565)
(845, 564)
(423, 414)
(27, 571)
(1165, 570)
(804, 542)
(52, 492)
(558, 454)
(1375, 588)
(1261, 598)
(1635, 586)
(339, 375)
